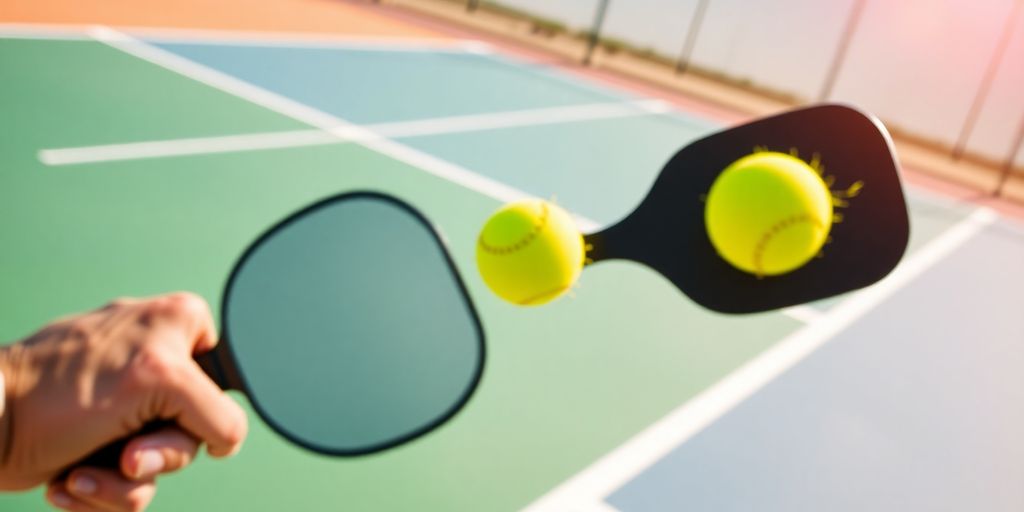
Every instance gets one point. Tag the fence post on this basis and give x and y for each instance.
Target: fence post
(844, 45)
(595, 31)
(691, 37)
(1004, 176)
(987, 79)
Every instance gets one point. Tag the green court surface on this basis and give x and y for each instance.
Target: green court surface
(80, 235)
(563, 384)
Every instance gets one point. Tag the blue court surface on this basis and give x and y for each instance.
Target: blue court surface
(908, 395)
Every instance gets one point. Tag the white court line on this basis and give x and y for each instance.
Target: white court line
(609, 473)
(299, 138)
(511, 119)
(313, 117)
(182, 147)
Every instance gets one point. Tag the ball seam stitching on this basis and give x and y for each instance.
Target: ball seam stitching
(774, 230)
(522, 243)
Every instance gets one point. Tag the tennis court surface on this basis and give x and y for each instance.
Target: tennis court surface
(137, 162)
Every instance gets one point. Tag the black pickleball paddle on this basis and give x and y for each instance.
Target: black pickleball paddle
(666, 231)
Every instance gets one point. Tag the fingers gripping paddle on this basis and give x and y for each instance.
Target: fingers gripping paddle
(348, 328)
(780, 211)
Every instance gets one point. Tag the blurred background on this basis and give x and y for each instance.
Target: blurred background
(946, 76)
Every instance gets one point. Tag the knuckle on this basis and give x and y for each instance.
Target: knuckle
(81, 334)
(173, 306)
(154, 366)
(152, 311)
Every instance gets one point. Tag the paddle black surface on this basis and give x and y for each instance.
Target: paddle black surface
(666, 231)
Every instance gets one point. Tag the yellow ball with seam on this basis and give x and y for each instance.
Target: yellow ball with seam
(768, 213)
(530, 252)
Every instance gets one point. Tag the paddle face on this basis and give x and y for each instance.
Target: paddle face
(667, 231)
(349, 328)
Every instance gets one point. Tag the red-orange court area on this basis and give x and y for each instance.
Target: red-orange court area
(310, 16)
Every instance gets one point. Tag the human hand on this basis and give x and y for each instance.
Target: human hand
(85, 381)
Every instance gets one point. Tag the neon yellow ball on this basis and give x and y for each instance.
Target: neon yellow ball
(768, 213)
(530, 252)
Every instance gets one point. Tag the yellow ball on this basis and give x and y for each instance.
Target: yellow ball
(768, 213)
(530, 252)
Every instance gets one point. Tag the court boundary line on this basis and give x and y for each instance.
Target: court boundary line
(311, 137)
(168, 148)
(612, 471)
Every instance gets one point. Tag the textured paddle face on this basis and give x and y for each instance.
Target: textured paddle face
(667, 231)
(349, 327)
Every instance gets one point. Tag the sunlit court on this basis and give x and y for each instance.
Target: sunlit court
(330, 178)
